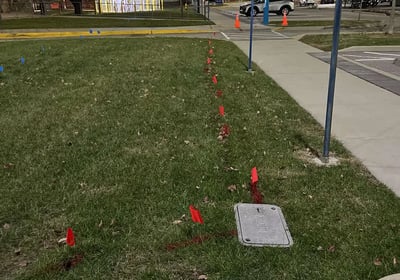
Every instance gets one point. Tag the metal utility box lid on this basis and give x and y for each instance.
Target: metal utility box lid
(262, 225)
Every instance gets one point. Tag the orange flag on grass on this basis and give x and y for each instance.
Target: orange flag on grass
(196, 216)
(70, 237)
(254, 175)
(221, 110)
(214, 79)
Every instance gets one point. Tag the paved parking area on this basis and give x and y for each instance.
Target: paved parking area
(381, 68)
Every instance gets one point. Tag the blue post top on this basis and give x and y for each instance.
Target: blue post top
(251, 35)
(266, 12)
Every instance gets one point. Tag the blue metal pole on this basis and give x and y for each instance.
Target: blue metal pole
(251, 34)
(266, 12)
(332, 79)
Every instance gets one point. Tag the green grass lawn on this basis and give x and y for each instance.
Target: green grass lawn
(324, 42)
(97, 22)
(117, 137)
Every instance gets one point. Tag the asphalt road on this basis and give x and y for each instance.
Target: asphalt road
(305, 13)
(381, 68)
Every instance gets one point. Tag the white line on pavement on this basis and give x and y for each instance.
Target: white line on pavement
(354, 55)
(226, 36)
(376, 59)
(280, 34)
(389, 54)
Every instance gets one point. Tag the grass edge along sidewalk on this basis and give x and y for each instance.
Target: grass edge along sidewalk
(121, 137)
(98, 32)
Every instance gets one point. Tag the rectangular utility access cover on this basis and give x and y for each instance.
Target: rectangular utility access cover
(262, 225)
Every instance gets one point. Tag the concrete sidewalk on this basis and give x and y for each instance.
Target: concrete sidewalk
(366, 118)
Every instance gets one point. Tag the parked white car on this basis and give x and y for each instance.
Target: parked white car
(275, 6)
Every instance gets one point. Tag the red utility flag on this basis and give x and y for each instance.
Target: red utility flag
(196, 217)
(211, 51)
(208, 60)
(221, 111)
(254, 175)
(214, 79)
(70, 237)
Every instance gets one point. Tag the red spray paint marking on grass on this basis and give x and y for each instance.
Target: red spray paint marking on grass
(72, 262)
(256, 196)
(224, 131)
(199, 240)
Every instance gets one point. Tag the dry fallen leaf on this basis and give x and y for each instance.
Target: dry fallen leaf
(331, 249)
(62, 240)
(377, 262)
(230, 168)
(206, 200)
(8, 165)
(202, 277)
(17, 251)
(177, 222)
(232, 188)
(23, 263)
(6, 226)
(320, 248)
(395, 262)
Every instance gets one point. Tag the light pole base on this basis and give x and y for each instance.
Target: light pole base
(326, 161)
(251, 72)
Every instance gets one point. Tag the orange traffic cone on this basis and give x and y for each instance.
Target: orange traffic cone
(237, 22)
(284, 20)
